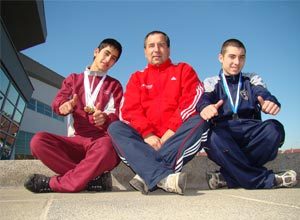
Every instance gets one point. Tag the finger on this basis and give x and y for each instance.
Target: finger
(268, 106)
(260, 100)
(203, 116)
(98, 107)
(219, 104)
(274, 110)
(74, 100)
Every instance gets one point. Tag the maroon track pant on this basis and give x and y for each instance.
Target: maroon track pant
(76, 160)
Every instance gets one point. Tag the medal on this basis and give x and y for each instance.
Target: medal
(89, 110)
(235, 116)
(90, 97)
(234, 106)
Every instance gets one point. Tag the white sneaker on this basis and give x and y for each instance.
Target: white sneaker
(139, 184)
(175, 183)
(286, 179)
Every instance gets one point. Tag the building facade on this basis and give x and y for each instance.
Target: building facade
(38, 114)
(26, 87)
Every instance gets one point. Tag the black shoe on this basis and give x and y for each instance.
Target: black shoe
(38, 183)
(100, 183)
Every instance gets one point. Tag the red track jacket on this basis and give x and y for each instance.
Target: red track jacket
(161, 98)
(109, 97)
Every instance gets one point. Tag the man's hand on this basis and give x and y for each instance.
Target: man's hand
(68, 107)
(169, 133)
(99, 116)
(268, 107)
(153, 141)
(211, 110)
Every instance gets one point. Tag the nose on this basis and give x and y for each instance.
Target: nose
(237, 61)
(156, 47)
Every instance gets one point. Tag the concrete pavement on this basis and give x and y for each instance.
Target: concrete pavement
(18, 203)
(123, 203)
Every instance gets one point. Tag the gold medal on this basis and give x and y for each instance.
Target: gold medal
(89, 110)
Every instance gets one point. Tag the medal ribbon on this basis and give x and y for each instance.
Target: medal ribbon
(234, 107)
(90, 98)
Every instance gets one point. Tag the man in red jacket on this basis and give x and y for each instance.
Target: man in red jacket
(159, 130)
(93, 99)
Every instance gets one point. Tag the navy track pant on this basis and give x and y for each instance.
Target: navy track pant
(242, 147)
(154, 165)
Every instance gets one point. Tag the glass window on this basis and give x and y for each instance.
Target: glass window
(48, 110)
(1, 99)
(13, 129)
(40, 107)
(32, 104)
(17, 117)
(4, 124)
(12, 94)
(3, 81)
(23, 143)
(58, 117)
(21, 105)
(8, 109)
(7, 148)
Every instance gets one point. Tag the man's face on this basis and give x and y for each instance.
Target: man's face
(233, 60)
(104, 59)
(156, 49)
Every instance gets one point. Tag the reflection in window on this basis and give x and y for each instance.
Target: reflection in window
(40, 107)
(8, 109)
(12, 94)
(4, 123)
(21, 105)
(31, 104)
(13, 129)
(43, 108)
(3, 81)
(17, 117)
(22, 145)
(48, 110)
(1, 99)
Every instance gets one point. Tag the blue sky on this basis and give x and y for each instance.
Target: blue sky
(270, 31)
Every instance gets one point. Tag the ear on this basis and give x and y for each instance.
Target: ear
(220, 58)
(96, 51)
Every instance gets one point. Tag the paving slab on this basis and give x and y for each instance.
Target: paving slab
(18, 203)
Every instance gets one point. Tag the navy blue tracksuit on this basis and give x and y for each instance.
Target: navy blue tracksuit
(154, 165)
(241, 144)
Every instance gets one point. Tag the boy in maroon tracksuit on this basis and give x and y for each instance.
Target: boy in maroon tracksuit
(83, 159)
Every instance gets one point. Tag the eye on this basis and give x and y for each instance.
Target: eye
(114, 58)
(150, 45)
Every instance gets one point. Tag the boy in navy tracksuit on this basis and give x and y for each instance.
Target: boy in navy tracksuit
(239, 141)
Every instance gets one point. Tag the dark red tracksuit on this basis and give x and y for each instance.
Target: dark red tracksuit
(89, 153)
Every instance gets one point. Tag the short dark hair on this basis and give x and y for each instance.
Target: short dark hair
(232, 42)
(111, 42)
(157, 32)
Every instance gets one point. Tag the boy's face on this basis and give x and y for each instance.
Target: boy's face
(156, 49)
(104, 59)
(233, 60)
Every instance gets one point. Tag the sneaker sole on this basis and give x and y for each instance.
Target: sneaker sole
(182, 183)
(139, 186)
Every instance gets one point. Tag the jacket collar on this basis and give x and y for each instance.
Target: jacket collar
(162, 66)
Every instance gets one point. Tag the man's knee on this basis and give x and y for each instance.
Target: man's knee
(115, 127)
(276, 131)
